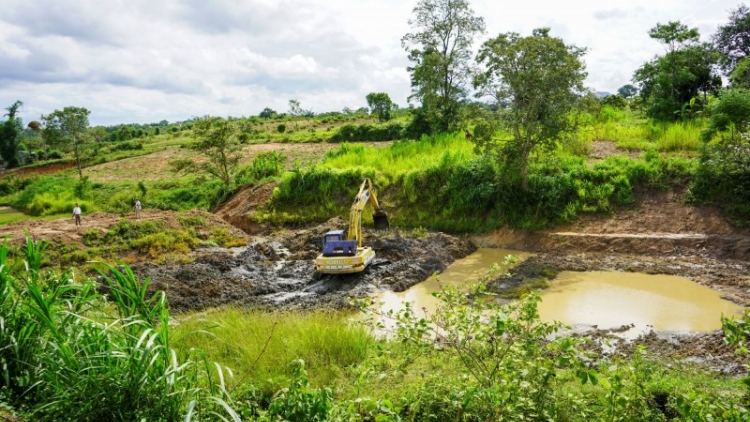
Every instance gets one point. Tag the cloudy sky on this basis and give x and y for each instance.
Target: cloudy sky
(146, 60)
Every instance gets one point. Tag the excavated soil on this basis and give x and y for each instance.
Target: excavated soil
(278, 272)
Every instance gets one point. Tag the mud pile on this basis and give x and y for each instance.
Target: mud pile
(278, 271)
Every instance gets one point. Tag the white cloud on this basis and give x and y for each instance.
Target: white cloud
(145, 60)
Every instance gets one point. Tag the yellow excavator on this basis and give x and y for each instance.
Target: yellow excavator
(346, 255)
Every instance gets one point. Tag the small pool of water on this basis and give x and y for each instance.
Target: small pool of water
(607, 300)
(615, 299)
(461, 273)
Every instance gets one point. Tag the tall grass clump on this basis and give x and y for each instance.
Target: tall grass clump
(66, 358)
(402, 156)
(262, 345)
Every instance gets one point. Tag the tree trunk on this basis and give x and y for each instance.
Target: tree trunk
(524, 175)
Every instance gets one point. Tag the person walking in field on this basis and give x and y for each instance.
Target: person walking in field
(77, 215)
(137, 208)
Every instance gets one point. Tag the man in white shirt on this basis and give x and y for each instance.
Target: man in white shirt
(77, 214)
(137, 208)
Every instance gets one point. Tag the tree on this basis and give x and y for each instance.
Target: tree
(69, 126)
(10, 135)
(267, 113)
(668, 83)
(440, 48)
(733, 39)
(380, 103)
(541, 78)
(627, 91)
(218, 142)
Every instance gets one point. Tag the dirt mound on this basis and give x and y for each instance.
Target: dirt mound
(237, 209)
(279, 271)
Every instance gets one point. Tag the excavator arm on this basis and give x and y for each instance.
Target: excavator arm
(366, 195)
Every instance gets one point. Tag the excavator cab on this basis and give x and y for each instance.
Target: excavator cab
(335, 245)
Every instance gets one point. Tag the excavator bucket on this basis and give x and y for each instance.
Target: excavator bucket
(380, 218)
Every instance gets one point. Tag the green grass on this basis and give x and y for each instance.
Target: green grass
(10, 215)
(261, 346)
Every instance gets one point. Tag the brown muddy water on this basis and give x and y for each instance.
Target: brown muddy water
(586, 300)
(461, 273)
(615, 299)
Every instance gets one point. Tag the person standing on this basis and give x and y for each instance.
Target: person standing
(77, 215)
(137, 208)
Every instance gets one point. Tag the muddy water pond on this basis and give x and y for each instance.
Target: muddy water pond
(461, 273)
(642, 301)
(606, 300)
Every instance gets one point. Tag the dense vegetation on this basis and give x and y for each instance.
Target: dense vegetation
(72, 353)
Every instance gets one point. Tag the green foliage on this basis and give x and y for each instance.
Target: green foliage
(11, 184)
(731, 114)
(68, 127)
(63, 358)
(732, 40)
(264, 343)
(439, 184)
(627, 91)
(368, 132)
(267, 164)
(723, 177)
(540, 76)
(440, 48)
(669, 83)
(615, 101)
(10, 136)
(380, 103)
(217, 141)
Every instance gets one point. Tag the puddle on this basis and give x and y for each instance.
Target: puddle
(615, 299)
(461, 273)
(605, 300)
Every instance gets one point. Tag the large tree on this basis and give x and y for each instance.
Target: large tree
(380, 103)
(668, 83)
(733, 39)
(440, 48)
(540, 78)
(10, 135)
(218, 142)
(69, 127)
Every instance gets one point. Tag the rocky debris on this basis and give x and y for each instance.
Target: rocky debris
(279, 272)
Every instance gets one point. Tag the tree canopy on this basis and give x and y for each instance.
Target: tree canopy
(10, 131)
(668, 83)
(217, 141)
(68, 126)
(541, 78)
(733, 39)
(380, 104)
(440, 48)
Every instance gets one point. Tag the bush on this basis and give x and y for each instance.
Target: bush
(368, 132)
